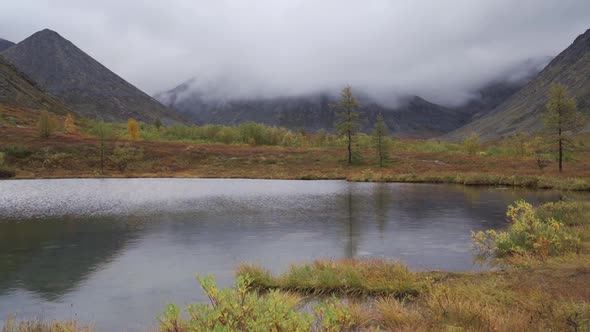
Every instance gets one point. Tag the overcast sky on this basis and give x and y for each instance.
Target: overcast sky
(441, 50)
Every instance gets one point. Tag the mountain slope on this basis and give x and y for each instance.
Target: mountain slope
(523, 110)
(415, 118)
(16, 89)
(4, 44)
(88, 87)
(510, 81)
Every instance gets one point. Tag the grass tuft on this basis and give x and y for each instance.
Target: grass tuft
(351, 277)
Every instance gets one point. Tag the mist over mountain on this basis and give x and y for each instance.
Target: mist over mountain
(442, 51)
(86, 86)
(414, 117)
(494, 93)
(523, 110)
(206, 102)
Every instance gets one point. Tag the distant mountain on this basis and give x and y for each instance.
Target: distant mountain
(89, 88)
(415, 117)
(4, 44)
(16, 89)
(523, 110)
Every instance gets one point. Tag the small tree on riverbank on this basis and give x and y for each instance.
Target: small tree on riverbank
(562, 120)
(380, 139)
(348, 121)
(133, 130)
(471, 144)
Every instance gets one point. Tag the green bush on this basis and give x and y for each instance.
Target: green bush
(238, 309)
(20, 152)
(254, 133)
(251, 133)
(226, 135)
(244, 309)
(528, 234)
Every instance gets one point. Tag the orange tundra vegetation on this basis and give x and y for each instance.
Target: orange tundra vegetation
(76, 154)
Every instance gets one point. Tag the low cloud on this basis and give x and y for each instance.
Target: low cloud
(440, 50)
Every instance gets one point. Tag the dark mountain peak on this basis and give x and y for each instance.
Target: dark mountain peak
(579, 48)
(46, 37)
(4, 44)
(46, 33)
(583, 38)
(91, 89)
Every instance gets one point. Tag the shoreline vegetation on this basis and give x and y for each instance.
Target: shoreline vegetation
(40, 144)
(87, 149)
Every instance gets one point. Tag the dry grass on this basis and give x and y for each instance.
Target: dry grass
(550, 296)
(39, 326)
(343, 277)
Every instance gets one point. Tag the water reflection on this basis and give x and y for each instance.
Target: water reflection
(116, 251)
(382, 198)
(52, 258)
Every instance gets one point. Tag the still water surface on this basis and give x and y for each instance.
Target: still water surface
(113, 252)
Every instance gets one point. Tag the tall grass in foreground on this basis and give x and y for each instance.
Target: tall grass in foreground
(342, 277)
(488, 301)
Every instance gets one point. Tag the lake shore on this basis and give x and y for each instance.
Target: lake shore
(77, 156)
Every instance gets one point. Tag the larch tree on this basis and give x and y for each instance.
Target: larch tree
(348, 121)
(562, 120)
(102, 131)
(380, 140)
(133, 130)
